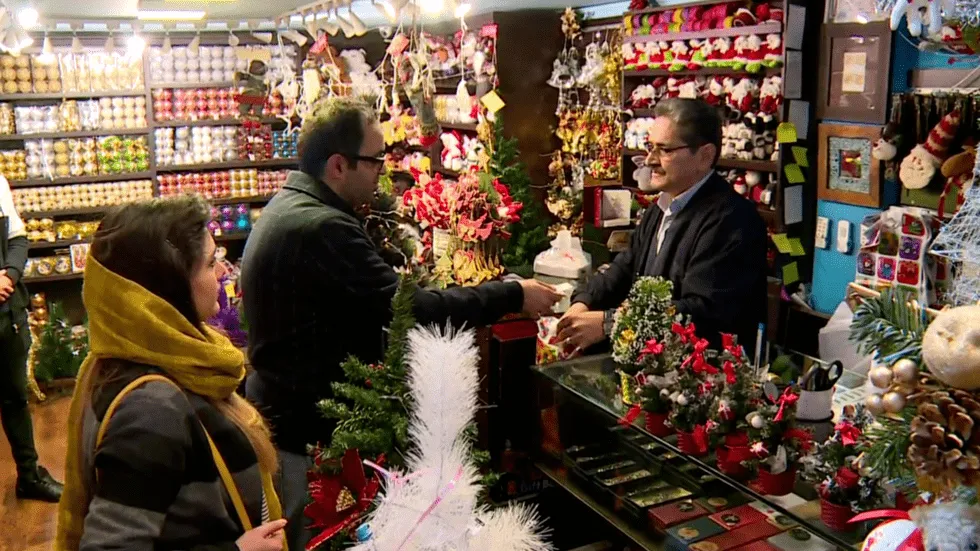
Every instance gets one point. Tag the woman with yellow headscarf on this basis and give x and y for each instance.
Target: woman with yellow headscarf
(162, 451)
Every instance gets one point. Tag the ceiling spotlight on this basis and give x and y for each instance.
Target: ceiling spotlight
(359, 28)
(47, 53)
(27, 17)
(195, 45)
(135, 46)
(432, 6)
(233, 39)
(462, 9)
(76, 45)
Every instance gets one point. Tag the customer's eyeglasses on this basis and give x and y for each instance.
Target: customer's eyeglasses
(377, 161)
(659, 151)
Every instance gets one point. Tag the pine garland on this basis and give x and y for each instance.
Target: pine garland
(887, 443)
(889, 326)
(529, 236)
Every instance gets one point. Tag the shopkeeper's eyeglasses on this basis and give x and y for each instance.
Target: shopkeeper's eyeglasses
(659, 151)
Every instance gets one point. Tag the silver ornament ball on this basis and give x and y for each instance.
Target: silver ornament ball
(874, 404)
(881, 377)
(756, 422)
(905, 371)
(894, 402)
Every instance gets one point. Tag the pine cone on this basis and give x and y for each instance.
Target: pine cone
(945, 450)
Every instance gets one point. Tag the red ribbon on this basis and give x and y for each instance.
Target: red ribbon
(787, 399)
(652, 348)
(729, 372)
(849, 434)
(914, 540)
(686, 333)
(630, 416)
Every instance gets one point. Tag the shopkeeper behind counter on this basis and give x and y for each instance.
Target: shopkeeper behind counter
(705, 238)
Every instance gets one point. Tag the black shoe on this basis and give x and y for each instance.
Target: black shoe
(39, 486)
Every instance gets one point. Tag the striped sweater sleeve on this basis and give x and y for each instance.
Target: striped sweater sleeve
(141, 468)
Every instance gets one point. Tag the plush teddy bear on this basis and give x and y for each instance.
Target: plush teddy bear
(958, 171)
(917, 13)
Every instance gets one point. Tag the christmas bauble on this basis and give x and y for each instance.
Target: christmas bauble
(875, 404)
(893, 402)
(756, 421)
(682, 400)
(881, 377)
(951, 347)
(905, 371)
(891, 535)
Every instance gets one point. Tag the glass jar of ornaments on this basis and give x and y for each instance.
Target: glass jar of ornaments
(80, 196)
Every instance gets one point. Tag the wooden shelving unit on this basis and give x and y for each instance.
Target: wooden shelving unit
(50, 278)
(186, 85)
(767, 27)
(98, 178)
(59, 244)
(70, 95)
(271, 163)
(210, 122)
(68, 135)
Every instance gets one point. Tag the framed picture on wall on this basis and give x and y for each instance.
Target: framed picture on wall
(847, 173)
(854, 70)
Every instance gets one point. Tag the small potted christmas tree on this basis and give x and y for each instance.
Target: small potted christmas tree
(694, 391)
(775, 443)
(738, 392)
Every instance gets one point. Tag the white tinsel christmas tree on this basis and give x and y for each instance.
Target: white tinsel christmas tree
(959, 241)
(435, 506)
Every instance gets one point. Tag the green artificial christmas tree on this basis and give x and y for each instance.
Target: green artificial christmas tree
(60, 350)
(371, 407)
(529, 236)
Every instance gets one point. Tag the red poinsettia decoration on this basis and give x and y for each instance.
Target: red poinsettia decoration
(338, 501)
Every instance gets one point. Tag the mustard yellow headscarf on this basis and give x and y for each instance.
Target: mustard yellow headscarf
(130, 323)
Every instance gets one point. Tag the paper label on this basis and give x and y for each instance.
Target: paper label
(791, 274)
(492, 102)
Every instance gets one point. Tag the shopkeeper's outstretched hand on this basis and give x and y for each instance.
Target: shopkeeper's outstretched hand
(581, 328)
(538, 298)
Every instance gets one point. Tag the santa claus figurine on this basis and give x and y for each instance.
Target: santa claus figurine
(921, 164)
(771, 94)
(716, 92)
(773, 51)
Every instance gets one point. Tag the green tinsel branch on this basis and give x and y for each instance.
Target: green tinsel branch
(889, 325)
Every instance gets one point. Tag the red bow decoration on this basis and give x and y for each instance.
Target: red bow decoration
(804, 437)
(849, 434)
(728, 343)
(696, 359)
(686, 333)
(630, 416)
(787, 399)
(338, 501)
(652, 348)
(913, 542)
(729, 372)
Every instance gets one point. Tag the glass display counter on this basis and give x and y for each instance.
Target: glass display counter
(648, 490)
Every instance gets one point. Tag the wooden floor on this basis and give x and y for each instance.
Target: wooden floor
(30, 525)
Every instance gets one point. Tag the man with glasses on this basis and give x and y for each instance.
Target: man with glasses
(315, 289)
(705, 238)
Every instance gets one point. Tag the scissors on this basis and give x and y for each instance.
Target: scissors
(828, 375)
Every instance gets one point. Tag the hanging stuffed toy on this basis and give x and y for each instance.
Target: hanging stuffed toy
(958, 171)
(921, 164)
(917, 13)
(887, 145)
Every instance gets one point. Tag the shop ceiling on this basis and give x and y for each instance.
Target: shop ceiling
(255, 10)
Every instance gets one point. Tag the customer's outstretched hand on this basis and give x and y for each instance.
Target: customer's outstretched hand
(268, 537)
(538, 298)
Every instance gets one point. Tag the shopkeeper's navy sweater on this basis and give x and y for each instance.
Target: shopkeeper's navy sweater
(315, 291)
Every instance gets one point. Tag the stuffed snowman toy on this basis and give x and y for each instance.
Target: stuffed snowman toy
(921, 164)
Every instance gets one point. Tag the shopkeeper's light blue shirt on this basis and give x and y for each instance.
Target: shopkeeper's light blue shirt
(672, 205)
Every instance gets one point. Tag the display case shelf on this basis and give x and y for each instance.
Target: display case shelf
(185, 85)
(65, 212)
(591, 383)
(97, 179)
(211, 122)
(237, 200)
(79, 134)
